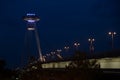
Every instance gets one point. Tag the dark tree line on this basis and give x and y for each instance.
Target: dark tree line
(5, 73)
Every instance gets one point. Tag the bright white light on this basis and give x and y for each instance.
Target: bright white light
(110, 33)
(59, 50)
(31, 21)
(114, 33)
(76, 44)
(66, 47)
(30, 29)
(91, 39)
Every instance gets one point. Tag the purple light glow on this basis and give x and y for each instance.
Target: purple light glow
(30, 14)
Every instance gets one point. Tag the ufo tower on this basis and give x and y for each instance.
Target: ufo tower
(31, 20)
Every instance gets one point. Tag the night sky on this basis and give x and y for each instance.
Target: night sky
(62, 23)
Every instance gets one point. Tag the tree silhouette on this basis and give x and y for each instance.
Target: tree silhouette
(5, 74)
(2, 64)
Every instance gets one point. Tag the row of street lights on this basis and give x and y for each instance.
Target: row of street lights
(91, 40)
(112, 34)
(56, 52)
(91, 47)
(77, 44)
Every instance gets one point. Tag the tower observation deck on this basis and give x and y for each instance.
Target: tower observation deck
(31, 20)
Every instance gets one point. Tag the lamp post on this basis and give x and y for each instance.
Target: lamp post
(59, 51)
(76, 45)
(66, 48)
(91, 40)
(112, 34)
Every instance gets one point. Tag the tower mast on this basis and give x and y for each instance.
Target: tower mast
(31, 20)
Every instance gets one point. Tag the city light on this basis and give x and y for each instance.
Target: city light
(91, 47)
(91, 39)
(31, 21)
(66, 47)
(112, 34)
(59, 50)
(76, 45)
(30, 29)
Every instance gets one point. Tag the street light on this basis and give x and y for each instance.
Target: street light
(112, 36)
(59, 50)
(66, 48)
(76, 45)
(91, 40)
